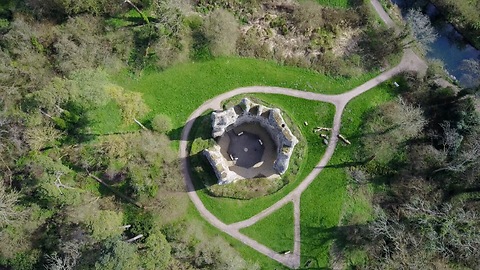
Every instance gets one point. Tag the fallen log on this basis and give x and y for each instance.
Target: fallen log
(344, 139)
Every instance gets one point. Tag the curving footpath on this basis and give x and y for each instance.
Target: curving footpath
(410, 61)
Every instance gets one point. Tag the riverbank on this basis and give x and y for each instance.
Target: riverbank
(460, 21)
(450, 46)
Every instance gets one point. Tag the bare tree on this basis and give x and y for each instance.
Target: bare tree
(467, 158)
(8, 201)
(71, 254)
(471, 76)
(308, 16)
(357, 175)
(451, 139)
(410, 119)
(58, 183)
(421, 28)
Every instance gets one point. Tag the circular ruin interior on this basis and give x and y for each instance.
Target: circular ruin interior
(252, 141)
(250, 149)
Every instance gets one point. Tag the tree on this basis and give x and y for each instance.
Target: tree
(30, 69)
(390, 125)
(221, 30)
(153, 148)
(421, 28)
(161, 123)
(81, 44)
(471, 76)
(378, 44)
(166, 40)
(84, 88)
(72, 7)
(450, 139)
(39, 137)
(68, 261)
(131, 104)
(22, 238)
(466, 158)
(436, 69)
(55, 93)
(157, 251)
(217, 254)
(88, 88)
(117, 254)
(8, 206)
(105, 224)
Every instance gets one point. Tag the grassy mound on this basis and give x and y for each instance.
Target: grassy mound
(244, 189)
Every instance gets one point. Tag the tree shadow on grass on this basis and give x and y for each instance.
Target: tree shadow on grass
(201, 128)
(375, 133)
(349, 164)
(346, 237)
(200, 169)
(316, 238)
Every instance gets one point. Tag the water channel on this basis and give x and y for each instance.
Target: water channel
(450, 46)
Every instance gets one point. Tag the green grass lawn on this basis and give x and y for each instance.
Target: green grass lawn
(248, 253)
(323, 203)
(299, 110)
(107, 119)
(275, 231)
(178, 91)
(335, 3)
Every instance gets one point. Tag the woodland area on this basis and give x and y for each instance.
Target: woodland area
(420, 153)
(73, 196)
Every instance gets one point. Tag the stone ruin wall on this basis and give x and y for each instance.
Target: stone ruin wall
(233, 117)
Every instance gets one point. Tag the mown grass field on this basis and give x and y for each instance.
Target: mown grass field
(275, 231)
(326, 201)
(178, 91)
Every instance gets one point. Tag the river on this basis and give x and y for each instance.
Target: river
(450, 46)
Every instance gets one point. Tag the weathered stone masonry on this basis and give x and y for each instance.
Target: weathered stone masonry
(248, 112)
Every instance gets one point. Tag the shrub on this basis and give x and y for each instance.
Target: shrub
(308, 16)
(161, 123)
(222, 31)
(250, 45)
(131, 103)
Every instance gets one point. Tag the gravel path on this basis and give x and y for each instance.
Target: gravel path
(410, 61)
(382, 13)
